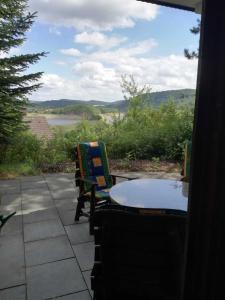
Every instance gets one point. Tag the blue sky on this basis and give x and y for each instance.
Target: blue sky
(91, 44)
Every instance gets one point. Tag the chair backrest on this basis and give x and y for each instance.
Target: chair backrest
(137, 256)
(92, 164)
(187, 161)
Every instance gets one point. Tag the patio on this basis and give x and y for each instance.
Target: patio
(43, 253)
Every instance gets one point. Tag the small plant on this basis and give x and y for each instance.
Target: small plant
(156, 159)
(129, 158)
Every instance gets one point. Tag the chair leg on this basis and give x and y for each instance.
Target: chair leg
(91, 226)
(91, 221)
(80, 205)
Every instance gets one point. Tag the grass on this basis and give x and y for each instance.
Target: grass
(63, 128)
(10, 171)
(55, 116)
(68, 127)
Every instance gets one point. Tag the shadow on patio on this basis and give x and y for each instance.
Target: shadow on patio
(43, 253)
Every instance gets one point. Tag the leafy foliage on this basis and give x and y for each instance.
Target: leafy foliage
(144, 132)
(156, 133)
(86, 111)
(195, 30)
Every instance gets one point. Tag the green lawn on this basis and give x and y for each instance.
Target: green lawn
(8, 171)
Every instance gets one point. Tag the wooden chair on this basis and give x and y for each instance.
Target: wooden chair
(137, 256)
(93, 178)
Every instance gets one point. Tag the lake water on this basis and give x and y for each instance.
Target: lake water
(61, 121)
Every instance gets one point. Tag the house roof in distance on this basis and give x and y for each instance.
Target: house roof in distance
(191, 5)
(39, 127)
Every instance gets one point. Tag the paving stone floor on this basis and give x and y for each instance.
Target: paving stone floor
(43, 253)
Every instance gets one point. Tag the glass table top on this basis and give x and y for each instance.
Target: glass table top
(151, 194)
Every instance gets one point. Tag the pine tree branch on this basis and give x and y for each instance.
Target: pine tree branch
(15, 86)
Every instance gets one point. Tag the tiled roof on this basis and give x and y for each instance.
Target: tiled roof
(39, 126)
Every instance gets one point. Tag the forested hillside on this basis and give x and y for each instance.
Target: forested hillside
(66, 106)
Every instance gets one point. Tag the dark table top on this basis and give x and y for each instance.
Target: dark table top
(151, 194)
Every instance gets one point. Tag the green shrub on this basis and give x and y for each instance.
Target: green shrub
(18, 169)
(23, 148)
(148, 133)
(153, 132)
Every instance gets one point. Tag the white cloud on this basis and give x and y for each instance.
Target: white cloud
(93, 79)
(60, 63)
(97, 72)
(140, 47)
(54, 30)
(98, 39)
(57, 87)
(71, 52)
(94, 14)
(89, 67)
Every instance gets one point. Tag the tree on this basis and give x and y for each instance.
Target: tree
(135, 94)
(15, 84)
(195, 30)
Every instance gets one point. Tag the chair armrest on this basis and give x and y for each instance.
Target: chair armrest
(125, 177)
(119, 176)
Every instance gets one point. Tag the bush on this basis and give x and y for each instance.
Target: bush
(23, 148)
(146, 133)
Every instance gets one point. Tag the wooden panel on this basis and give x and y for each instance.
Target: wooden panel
(205, 264)
(181, 4)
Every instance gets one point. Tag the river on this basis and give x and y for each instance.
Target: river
(61, 121)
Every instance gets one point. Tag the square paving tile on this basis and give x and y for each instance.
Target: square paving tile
(37, 204)
(67, 217)
(31, 185)
(32, 178)
(33, 193)
(87, 277)
(41, 215)
(42, 230)
(77, 296)
(54, 280)
(11, 202)
(43, 251)
(60, 176)
(64, 193)
(66, 204)
(57, 185)
(79, 233)
(85, 255)
(14, 225)
(15, 293)
(11, 261)
(11, 189)
(9, 183)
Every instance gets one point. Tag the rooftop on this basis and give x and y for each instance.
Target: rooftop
(39, 127)
(192, 5)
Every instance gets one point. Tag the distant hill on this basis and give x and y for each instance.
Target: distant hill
(155, 99)
(65, 102)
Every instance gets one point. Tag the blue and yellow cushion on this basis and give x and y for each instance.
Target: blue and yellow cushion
(94, 166)
(100, 194)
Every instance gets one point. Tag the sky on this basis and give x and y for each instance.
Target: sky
(91, 43)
